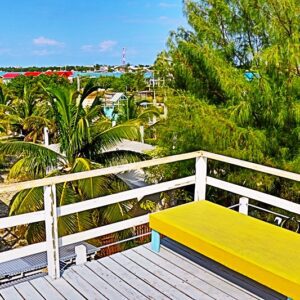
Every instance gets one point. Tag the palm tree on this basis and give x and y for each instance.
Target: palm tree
(131, 109)
(5, 111)
(83, 135)
(27, 113)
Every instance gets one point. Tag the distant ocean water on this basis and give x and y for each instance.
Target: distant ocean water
(101, 74)
(92, 74)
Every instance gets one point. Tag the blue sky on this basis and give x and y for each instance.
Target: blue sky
(68, 32)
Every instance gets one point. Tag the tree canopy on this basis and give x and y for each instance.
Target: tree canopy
(215, 106)
(83, 136)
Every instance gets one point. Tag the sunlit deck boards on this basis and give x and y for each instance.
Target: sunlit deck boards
(175, 273)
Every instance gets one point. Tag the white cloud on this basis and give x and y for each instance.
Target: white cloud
(104, 46)
(42, 41)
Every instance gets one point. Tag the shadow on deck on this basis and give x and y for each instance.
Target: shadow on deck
(175, 273)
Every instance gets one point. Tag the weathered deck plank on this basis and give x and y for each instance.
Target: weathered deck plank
(225, 274)
(10, 293)
(150, 278)
(27, 291)
(46, 289)
(176, 272)
(81, 285)
(133, 280)
(191, 280)
(98, 283)
(177, 281)
(203, 274)
(63, 287)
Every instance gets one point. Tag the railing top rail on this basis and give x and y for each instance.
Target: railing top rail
(98, 172)
(252, 166)
(144, 164)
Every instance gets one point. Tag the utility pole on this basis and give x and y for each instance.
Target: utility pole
(124, 57)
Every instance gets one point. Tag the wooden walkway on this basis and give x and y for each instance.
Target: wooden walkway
(175, 273)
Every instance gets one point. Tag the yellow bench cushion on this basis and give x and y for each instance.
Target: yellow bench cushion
(261, 251)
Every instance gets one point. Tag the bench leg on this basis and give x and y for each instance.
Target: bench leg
(155, 241)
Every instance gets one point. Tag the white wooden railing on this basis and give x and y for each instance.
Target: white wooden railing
(51, 212)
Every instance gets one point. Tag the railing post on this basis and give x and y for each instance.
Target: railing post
(51, 231)
(243, 208)
(200, 183)
(81, 255)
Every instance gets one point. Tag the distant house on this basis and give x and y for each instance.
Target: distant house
(117, 97)
(66, 74)
(103, 69)
(9, 76)
(32, 74)
(110, 99)
(113, 99)
(120, 68)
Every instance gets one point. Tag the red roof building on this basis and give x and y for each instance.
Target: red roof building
(60, 73)
(34, 74)
(11, 75)
(7, 77)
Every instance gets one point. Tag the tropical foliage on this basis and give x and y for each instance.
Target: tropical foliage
(82, 136)
(216, 107)
(142, 111)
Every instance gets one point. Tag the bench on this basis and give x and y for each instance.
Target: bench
(261, 251)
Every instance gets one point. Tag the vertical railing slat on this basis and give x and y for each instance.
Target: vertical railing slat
(51, 231)
(243, 208)
(201, 174)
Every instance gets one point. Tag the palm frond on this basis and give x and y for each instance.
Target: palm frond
(34, 122)
(110, 137)
(94, 113)
(2, 97)
(114, 213)
(35, 233)
(4, 108)
(27, 201)
(97, 102)
(113, 158)
(35, 126)
(84, 220)
(23, 169)
(89, 88)
(12, 119)
(119, 211)
(40, 156)
(91, 187)
(68, 224)
(148, 113)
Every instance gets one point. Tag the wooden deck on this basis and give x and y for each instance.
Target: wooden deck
(175, 273)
